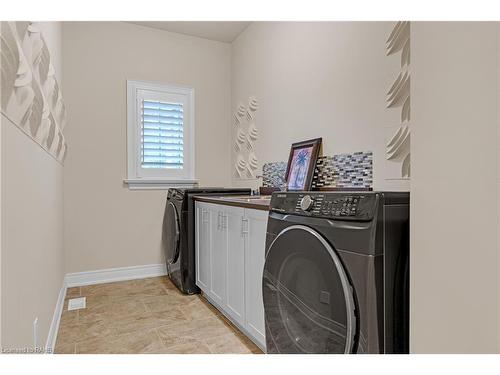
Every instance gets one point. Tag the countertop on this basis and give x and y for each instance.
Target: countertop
(256, 202)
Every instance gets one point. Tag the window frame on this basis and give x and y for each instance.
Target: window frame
(139, 178)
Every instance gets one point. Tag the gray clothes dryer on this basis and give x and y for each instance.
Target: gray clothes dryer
(336, 273)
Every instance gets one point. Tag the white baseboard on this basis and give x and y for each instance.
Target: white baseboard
(50, 344)
(114, 274)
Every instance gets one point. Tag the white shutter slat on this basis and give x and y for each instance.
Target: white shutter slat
(162, 138)
(156, 104)
(166, 153)
(162, 135)
(178, 129)
(159, 144)
(162, 119)
(174, 133)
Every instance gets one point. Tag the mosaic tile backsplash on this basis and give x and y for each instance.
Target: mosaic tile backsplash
(344, 171)
(273, 174)
(340, 171)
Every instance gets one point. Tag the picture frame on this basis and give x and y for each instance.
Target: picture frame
(301, 164)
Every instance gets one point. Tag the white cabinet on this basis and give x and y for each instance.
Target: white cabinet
(230, 253)
(256, 222)
(218, 255)
(235, 264)
(203, 244)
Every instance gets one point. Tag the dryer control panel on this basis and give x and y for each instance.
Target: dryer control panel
(332, 205)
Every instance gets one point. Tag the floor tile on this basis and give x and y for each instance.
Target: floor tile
(65, 348)
(155, 282)
(111, 311)
(164, 303)
(85, 331)
(249, 344)
(68, 317)
(137, 343)
(72, 292)
(97, 299)
(139, 322)
(197, 309)
(227, 344)
(114, 289)
(170, 339)
(146, 316)
(210, 327)
(189, 349)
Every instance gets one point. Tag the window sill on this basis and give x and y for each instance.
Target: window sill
(151, 184)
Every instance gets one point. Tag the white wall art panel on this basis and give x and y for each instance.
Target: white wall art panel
(398, 97)
(246, 135)
(30, 95)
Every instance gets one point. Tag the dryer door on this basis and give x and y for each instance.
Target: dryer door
(171, 233)
(308, 299)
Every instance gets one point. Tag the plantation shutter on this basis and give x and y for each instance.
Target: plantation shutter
(162, 135)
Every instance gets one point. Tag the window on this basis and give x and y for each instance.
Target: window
(160, 135)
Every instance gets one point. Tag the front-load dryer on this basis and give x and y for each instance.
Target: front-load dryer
(336, 273)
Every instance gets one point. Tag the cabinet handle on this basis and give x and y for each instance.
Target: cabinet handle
(244, 226)
(224, 221)
(219, 226)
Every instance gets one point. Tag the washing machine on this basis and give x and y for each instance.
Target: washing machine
(336, 274)
(178, 233)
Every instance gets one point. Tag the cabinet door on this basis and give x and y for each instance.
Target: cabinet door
(218, 251)
(235, 304)
(255, 248)
(203, 242)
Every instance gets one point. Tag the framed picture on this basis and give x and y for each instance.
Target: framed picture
(301, 164)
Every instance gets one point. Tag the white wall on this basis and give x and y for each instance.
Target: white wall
(32, 254)
(32, 237)
(455, 192)
(106, 224)
(319, 79)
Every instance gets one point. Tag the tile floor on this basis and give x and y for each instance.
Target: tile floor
(146, 316)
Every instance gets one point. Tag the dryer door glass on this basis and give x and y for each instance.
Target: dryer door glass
(308, 300)
(171, 233)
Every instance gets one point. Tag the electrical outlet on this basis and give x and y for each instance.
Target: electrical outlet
(35, 332)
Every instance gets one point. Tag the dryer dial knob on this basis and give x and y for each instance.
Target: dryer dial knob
(306, 203)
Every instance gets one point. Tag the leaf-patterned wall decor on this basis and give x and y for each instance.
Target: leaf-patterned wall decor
(398, 38)
(399, 91)
(30, 95)
(398, 147)
(246, 134)
(398, 96)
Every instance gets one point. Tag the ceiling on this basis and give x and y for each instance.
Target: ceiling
(222, 31)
